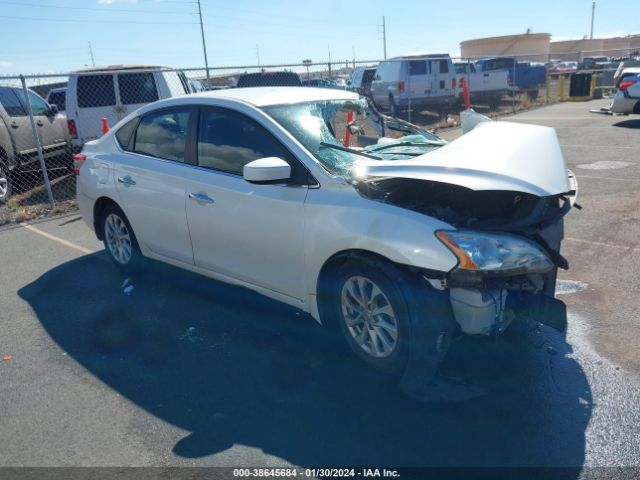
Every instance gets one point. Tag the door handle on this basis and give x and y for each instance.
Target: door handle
(14, 125)
(201, 197)
(39, 123)
(127, 180)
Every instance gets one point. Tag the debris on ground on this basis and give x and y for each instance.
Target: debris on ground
(6, 358)
(127, 286)
(602, 111)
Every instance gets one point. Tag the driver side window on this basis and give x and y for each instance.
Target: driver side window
(227, 141)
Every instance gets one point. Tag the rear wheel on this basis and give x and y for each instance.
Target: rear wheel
(119, 240)
(5, 184)
(373, 315)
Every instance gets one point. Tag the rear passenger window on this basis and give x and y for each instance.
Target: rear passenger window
(163, 134)
(417, 67)
(96, 91)
(124, 135)
(137, 88)
(11, 103)
(444, 66)
(228, 141)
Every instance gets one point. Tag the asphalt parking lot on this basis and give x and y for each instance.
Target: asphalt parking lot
(184, 371)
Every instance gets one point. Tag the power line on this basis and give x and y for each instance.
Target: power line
(105, 9)
(75, 20)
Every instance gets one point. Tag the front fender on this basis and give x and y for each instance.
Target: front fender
(342, 220)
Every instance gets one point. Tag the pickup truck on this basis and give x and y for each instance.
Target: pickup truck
(18, 148)
(523, 76)
(484, 87)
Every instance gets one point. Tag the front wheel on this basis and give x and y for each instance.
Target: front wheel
(5, 184)
(373, 316)
(119, 240)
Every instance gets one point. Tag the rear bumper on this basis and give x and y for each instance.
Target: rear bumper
(623, 104)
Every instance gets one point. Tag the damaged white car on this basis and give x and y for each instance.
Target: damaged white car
(400, 240)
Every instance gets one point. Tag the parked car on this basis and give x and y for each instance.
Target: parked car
(318, 82)
(421, 80)
(484, 87)
(402, 244)
(361, 79)
(627, 97)
(58, 97)
(564, 68)
(269, 79)
(113, 92)
(18, 147)
(525, 77)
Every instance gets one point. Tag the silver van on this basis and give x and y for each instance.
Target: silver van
(417, 81)
(113, 92)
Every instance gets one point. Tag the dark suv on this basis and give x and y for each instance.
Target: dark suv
(269, 79)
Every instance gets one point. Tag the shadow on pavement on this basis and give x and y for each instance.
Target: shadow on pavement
(234, 367)
(632, 123)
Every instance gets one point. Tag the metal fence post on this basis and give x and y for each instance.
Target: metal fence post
(514, 87)
(36, 137)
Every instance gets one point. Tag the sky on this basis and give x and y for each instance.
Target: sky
(51, 36)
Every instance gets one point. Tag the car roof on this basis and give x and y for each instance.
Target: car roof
(265, 96)
(631, 70)
(112, 68)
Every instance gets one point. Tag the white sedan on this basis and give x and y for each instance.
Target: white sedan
(627, 97)
(398, 239)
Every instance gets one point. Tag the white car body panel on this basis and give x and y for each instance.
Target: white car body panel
(529, 160)
(275, 239)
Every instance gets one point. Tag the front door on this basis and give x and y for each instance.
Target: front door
(249, 232)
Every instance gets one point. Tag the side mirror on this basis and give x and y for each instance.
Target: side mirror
(53, 109)
(267, 170)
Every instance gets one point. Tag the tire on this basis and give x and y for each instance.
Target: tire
(123, 251)
(380, 339)
(532, 94)
(5, 184)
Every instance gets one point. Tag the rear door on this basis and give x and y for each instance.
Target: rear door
(150, 179)
(18, 122)
(96, 98)
(135, 89)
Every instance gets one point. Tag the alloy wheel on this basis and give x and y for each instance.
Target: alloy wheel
(118, 238)
(369, 316)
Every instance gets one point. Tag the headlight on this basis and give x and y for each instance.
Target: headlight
(495, 253)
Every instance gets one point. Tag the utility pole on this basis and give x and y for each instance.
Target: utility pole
(593, 14)
(204, 46)
(93, 62)
(384, 36)
(329, 50)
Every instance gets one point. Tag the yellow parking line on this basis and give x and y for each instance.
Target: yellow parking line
(61, 241)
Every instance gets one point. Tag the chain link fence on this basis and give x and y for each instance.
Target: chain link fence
(45, 119)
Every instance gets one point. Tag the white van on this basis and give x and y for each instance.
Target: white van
(415, 81)
(113, 92)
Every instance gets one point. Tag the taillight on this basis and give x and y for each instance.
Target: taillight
(73, 131)
(78, 161)
(401, 86)
(626, 84)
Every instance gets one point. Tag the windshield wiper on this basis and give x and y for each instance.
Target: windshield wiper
(349, 150)
(405, 144)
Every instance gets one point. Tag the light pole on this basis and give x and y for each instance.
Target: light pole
(306, 63)
(204, 46)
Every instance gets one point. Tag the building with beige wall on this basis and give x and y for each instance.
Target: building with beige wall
(534, 45)
(610, 47)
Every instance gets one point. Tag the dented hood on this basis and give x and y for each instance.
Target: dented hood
(493, 156)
